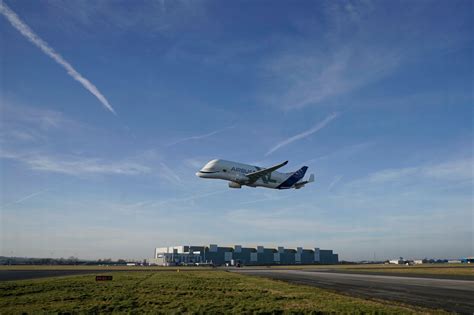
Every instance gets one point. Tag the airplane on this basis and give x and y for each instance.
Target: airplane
(239, 175)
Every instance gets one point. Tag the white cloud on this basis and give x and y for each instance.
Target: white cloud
(461, 169)
(303, 134)
(452, 170)
(174, 201)
(195, 163)
(292, 220)
(312, 77)
(44, 119)
(268, 198)
(391, 174)
(20, 200)
(26, 125)
(169, 174)
(75, 165)
(199, 137)
(26, 31)
(344, 153)
(351, 46)
(19, 135)
(334, 182)
(276, 220)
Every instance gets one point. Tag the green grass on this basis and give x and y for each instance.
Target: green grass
(180, 292)
(97, 267)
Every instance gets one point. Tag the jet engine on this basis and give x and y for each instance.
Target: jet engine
(234, 185)
(240, 179)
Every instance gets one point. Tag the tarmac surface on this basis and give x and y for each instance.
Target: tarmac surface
(448, 294)
(396, 274)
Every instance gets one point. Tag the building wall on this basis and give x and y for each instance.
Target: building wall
(243, 255)
(219, 255)
(266, 256)
(327, 256)
(288, 257)
(307, 256)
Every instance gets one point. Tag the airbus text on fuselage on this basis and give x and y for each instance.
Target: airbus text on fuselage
(239, 174)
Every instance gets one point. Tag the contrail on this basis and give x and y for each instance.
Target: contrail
(304, 134)
(198, 137)
(335, 181)
(26, 31)
(25, 198)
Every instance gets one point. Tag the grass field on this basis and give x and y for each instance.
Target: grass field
(94, 267)
(180, 292)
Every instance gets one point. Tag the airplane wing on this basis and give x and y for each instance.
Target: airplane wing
(253, 177)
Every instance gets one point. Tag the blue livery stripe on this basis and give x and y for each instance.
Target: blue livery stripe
(293, 179)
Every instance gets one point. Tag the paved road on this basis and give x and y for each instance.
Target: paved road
(448, 294)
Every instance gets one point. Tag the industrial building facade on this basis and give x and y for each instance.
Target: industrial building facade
(260, 255)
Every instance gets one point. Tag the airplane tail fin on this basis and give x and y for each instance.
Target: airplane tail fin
(294, 178)
(299, 174)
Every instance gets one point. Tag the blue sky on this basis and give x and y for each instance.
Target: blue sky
(108, 108)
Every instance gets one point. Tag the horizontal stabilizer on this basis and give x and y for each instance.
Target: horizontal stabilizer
(301, 184)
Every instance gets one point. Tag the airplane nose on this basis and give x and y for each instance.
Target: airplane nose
(198, 174)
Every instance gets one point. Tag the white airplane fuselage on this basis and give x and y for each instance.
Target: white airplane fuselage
(237, 175)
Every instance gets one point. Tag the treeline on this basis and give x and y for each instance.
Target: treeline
(59, 261)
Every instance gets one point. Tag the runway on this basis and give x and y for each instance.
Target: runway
(448, 294)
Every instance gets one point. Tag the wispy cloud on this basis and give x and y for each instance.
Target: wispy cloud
(344, 152)
(430, 185)
(389, 175)
(169, 174)
(41, 119)
(189, 198)
(304, 134)
(195, 162)
(461, 169)
(143, 206)
(199, 137)
(289, 220)
(334, 182)
(25, 198)
(18, 135)
(154, 16)
(75, 165)
(268, 199)
(343, 52)
(26, 31)
(313, 77)
(28, 126)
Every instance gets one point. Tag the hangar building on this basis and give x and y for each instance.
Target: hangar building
(232, 255)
